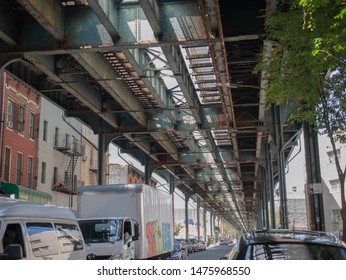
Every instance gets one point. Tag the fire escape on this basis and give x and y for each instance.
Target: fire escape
(74, 149)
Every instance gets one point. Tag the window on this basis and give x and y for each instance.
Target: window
(69, 238)
(107, 230)
(43, 173)
(7, 169)
(13, 235)
(55, 175)
(21, 120)
(334, 185)
(294, 189)
(32, 126)
(331, 155)
(91, 162)
(45, 132)
(19, 171)
(10, 109)
(335, 216)
(43, 239)
(30, 172)
(56, 139)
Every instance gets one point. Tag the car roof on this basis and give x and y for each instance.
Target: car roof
(291, 236)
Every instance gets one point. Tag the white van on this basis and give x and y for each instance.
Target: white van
(39, 232)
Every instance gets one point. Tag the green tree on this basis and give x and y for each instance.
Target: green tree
(307, 66)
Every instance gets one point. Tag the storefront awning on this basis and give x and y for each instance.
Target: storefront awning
(25, 193)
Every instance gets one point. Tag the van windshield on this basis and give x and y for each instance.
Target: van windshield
(105, 230)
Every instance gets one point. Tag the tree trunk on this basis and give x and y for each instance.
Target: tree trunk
(343, 217)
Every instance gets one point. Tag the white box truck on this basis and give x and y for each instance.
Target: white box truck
(108, 213)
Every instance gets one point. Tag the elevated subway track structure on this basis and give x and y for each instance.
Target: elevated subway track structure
(169, 82)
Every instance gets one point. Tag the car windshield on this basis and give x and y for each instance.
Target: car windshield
(291, 251)
(106, 230)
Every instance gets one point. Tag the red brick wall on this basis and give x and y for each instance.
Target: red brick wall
(20, 95)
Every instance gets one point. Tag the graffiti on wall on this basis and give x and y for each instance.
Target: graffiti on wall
(158, 237)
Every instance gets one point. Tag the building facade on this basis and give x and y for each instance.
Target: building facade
(298, 191)
(19, 132)
(59, 154)
(45, 155)
(89, 161)
(331, 183)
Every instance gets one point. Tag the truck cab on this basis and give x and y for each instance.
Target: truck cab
(110, 238)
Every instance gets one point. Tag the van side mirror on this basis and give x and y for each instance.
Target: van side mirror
(14, 252)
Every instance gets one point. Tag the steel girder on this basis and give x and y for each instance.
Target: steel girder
(97, 58)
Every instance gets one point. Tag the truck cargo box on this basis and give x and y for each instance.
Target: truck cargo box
(150, 206)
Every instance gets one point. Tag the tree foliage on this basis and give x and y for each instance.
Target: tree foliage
(309, 43)
(307, 66)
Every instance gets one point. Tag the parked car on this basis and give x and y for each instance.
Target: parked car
(183, 244)
(194, 244)
(287, 245)
(189, 246)
(179, 252)
(202, 245)
(224, 242)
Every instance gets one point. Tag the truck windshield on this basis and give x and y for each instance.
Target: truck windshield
(105, 230)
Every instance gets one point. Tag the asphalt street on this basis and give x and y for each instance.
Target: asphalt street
(212, 253)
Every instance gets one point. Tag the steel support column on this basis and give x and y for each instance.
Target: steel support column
(103, 143)
(313, 174)
(211, 224)
(281, 166)
(187, 197)
(270, 182)
(265, 199)
(205, 223)
(198, 218)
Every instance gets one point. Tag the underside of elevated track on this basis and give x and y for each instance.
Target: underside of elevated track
(170, 82)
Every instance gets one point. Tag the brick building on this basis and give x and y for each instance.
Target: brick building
(18, 132)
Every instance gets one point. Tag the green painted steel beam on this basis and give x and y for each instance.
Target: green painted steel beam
(7, 25)
(84, 30)
(99, 68)
(83, 92)
(151, 10)
(166, 143)
(158, 123)
(177, 65)
(144, 146)
(107, 13)
(89, 29)
(181, 21)
(50, 15)
(221, 71)
(140, 61)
